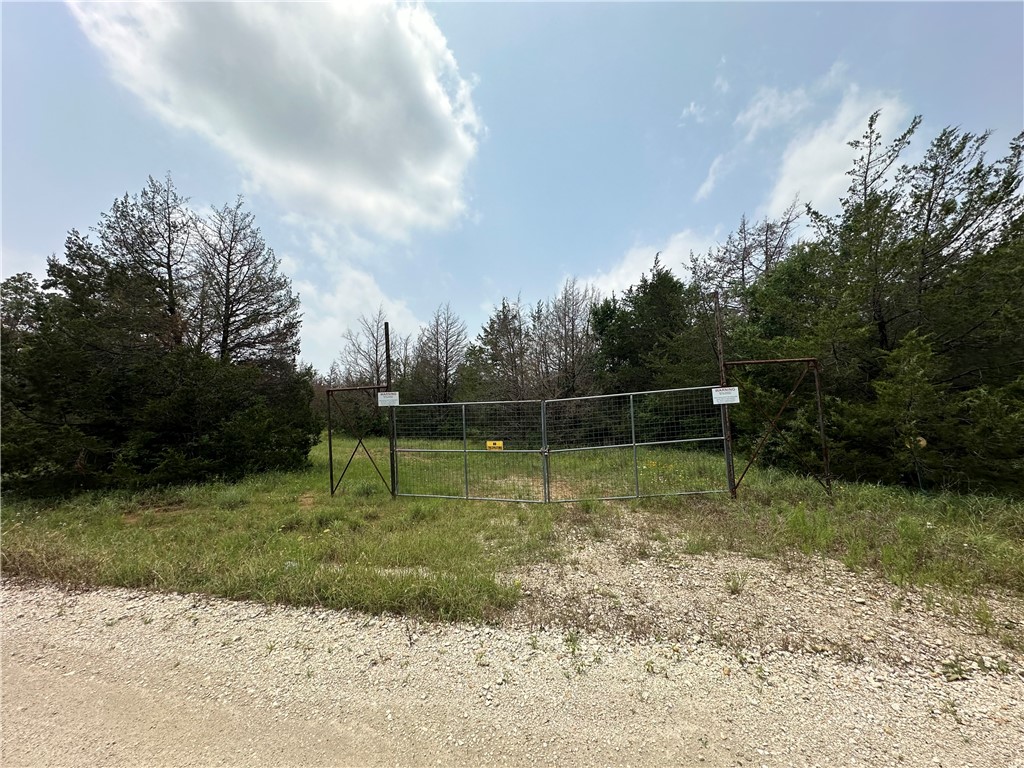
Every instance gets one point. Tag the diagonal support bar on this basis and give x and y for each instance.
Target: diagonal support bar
(335, 484)
(360, 444)
(773, 424)
(811, 364)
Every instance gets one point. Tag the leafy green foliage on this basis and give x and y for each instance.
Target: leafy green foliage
(100, 390)
(653, 336)
(912, 296)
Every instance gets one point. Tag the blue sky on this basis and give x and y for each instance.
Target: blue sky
(406, 156)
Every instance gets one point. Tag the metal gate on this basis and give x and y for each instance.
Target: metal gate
(659, 443)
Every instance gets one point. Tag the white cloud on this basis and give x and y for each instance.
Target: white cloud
(693, 111)
(836, 75)
(721, 84)
(710, 180)
(770, 108)
(815, 162)
(675, 255)
(354, 112)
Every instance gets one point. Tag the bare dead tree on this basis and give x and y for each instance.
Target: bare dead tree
(541, 376)
(362, 358)
(439, 354)
(747, 254)
(575, 344)
(247, 304)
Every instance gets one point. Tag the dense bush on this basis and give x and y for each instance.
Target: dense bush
(104, 384)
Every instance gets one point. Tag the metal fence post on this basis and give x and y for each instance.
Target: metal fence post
(394, 452)
(821, 426)
(330, 438)
(465, 452)
(393, 455)
(730, 472)
(545, 469)
(632, 432)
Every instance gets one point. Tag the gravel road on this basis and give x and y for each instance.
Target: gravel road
(612, 658)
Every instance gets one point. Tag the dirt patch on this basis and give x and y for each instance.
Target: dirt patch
(153, 514)
(626, 583)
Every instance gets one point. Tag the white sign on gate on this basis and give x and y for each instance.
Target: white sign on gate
(387, 399)
(725, 395)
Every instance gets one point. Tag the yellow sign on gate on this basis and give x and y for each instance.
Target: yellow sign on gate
(495, 445)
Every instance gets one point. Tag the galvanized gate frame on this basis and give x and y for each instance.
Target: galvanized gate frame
(544, 450)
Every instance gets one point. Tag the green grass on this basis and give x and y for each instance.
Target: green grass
(573, 475)
(961, 542)
(283, 538)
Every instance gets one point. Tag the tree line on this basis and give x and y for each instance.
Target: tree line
(911, 296)
(162, 351)
(162, 347)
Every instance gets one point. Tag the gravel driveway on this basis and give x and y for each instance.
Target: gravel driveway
(611, 658)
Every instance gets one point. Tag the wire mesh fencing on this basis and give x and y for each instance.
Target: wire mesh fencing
(666, 442)
(488, 450)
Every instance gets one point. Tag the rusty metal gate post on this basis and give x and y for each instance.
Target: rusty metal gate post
(821, 426)
(391, 411)
(330, 439)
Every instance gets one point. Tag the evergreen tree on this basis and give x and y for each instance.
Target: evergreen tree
(499, 359)
(651, 337)
(913, 298)
(155, 231)
(98, 390)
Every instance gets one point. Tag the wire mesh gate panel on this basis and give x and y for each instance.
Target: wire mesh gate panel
(667, 442)
(442, 450)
